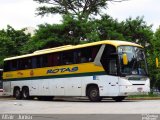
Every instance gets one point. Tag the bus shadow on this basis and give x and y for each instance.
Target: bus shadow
(71, 99)
(85, 100)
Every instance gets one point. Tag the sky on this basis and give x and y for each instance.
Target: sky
(21, 13)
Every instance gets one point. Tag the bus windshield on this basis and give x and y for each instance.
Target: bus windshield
(136, 61)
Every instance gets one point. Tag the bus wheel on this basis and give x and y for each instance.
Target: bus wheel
(119, 98)
(17, 93)
(25, 93)
(93, 94)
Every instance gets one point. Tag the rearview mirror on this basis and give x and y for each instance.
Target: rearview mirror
(157, 62)
(125, 59)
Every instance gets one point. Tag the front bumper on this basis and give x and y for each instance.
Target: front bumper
(126, 90)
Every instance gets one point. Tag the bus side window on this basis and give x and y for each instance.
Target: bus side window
(67, 58)
(84, 55)
(50, 60)
(13, 65)
(95, 50)
(39, 61)
(24, 63)
(28, 63)
(45, 61)
(21, 64)
(34, 62)
(7, 66)
(113, 67)
(56, 59)
(88, 54)
(109, 61)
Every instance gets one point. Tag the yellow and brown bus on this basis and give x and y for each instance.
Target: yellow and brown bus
(101, 69)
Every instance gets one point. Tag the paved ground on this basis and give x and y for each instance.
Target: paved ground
(77, 106)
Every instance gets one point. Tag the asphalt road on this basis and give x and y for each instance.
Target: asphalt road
(78, 106)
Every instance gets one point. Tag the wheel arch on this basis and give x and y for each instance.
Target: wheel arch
(90, 85)
(26, 93)
(14, 88)
(23, 87)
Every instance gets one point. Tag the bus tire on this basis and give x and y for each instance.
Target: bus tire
(17, 93)
(93, 94)
(119, 98)
(25, 93)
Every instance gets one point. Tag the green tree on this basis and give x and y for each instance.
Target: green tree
(73, 31)
(82, 9)
(137, 30)
(46, 36)
(69, 32)
(12, 42)
(6, 47)
(154, 52)
(109, 29)
(156, 41)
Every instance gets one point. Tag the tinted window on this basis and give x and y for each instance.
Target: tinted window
(87, 54)
(68, 58)
(25, 63)
(81, 55)
(56, 59)
(109, 60)
(0, 75)
(7, 66)
(13, 65)
(44, 61)
(48, 60)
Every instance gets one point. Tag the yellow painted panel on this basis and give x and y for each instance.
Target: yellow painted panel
(56, 70)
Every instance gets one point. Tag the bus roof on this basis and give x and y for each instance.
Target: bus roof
(115, 43)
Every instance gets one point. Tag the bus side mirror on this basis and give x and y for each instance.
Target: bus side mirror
(157, 62)
(125, 59)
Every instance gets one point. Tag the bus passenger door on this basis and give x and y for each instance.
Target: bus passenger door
(112, 78)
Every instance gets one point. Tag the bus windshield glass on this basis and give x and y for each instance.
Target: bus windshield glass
(136, 61)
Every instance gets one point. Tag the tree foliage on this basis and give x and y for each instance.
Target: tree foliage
(73, 31)
(155, 52)
(138, 31)
(12, 42)
(82, 9)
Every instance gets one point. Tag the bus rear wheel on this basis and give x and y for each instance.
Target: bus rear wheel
(93, 94)
(17, 93)
(25, 93)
